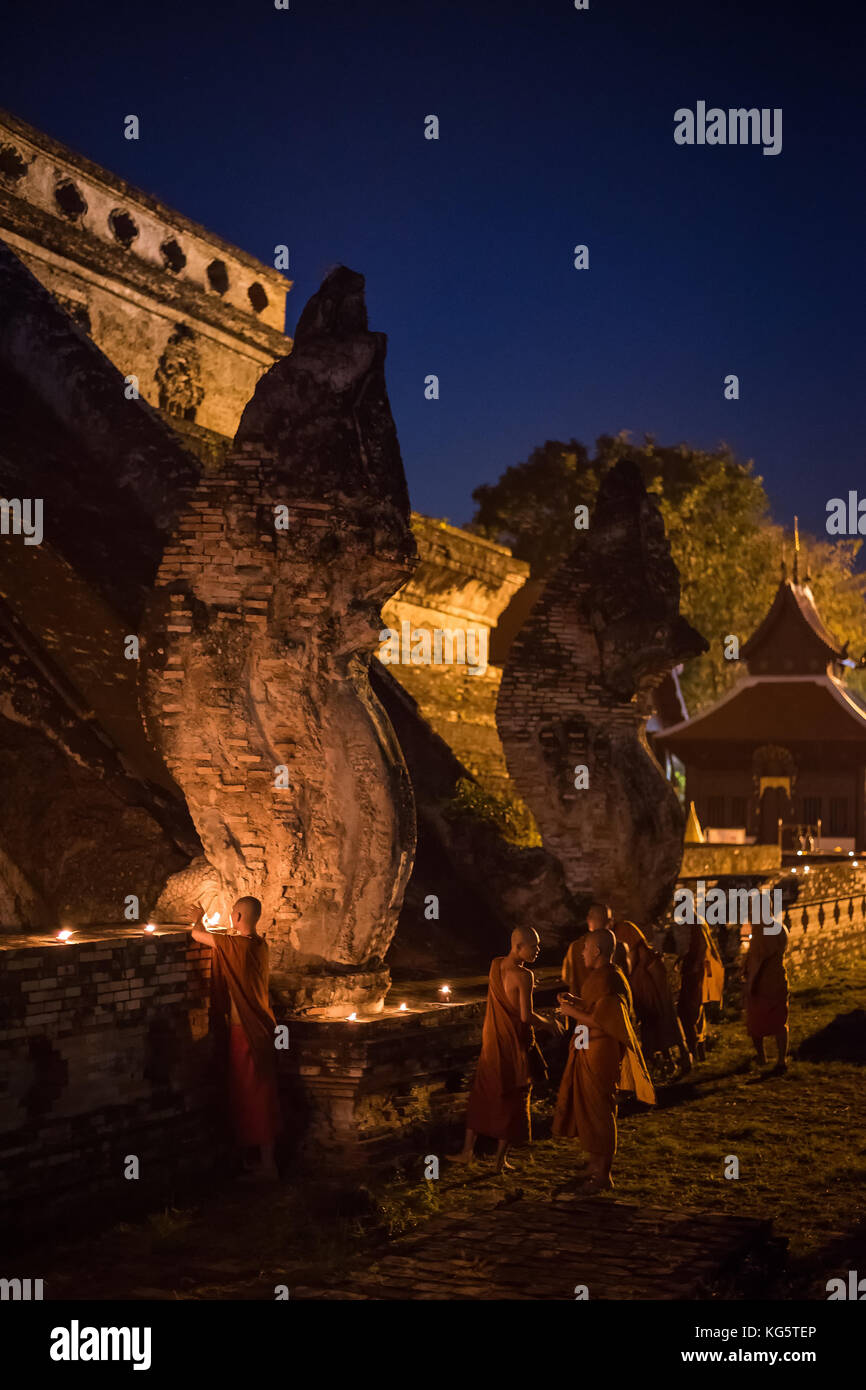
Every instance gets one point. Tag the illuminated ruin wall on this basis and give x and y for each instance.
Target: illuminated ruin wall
(108, 1055)
(195, 320)
(575, 694)
(463, 586)
(258, 644)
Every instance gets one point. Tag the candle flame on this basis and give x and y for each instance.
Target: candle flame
(402, 1008)
(210, 921)
(445, 989)
(351, 1018)
(64, 935)
(150, 927)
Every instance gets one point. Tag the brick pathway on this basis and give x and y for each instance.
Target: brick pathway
(542, 1250)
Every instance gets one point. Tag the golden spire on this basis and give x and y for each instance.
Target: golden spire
(694, 834)
(796, 551)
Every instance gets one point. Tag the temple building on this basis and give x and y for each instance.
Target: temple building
(194, 320)
(781, 757)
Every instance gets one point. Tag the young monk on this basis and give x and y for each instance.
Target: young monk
(499, 1099)
(573, 969)
(660, 1028)
(766, 992)
(702, 981)
(241, 1009)
(610, 1060)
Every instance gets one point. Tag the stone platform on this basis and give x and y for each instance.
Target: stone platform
(386, 1086)
(545, 1250)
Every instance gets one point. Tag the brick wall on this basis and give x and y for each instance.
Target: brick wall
(820, 931)
(104, 1052)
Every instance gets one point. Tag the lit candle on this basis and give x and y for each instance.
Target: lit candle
(446, 991)
(351, 1018)
(402, 1008)
(64, 935)
(150, 927)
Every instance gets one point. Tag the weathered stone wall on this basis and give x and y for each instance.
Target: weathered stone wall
(196, 320)
(259, 642)
(823, 881)
(820, 931)
(383, 1089)
(709, 861)
(576, 691)
(104, 1052)
(463, 584)
(88, 813)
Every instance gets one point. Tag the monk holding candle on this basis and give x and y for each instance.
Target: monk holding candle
(702, 982)
(606, 1057)
(246, 1026)
(660, 1029)
(499, 1099)
(766, 992)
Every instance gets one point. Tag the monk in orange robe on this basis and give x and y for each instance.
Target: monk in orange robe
(243, 1017)
(766, 992)
(660, 1028)
(574, 971)
(605, 1058)
(702, 982)
(499, 1099)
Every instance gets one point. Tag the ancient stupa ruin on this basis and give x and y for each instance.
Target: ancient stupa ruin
(258, 643)
(574, 699)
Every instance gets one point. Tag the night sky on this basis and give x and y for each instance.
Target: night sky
(306, 127)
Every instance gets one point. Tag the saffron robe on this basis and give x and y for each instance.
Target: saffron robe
(499, 1098)
(702, 981)
(240, 991)
(660, 1028)
(613, 1061)
(766, 988)
(574, 972)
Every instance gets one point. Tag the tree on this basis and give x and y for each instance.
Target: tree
(716, 512)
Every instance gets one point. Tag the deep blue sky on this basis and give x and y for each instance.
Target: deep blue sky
(306, 127)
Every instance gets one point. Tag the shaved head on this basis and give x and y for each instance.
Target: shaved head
(598, 916)
(246, 913)
(525, 942)
(598, 947)
(525, 935)
(606, 943)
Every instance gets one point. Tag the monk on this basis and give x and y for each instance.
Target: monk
(244, 1019)
(766, 993)
(702, 982)
(573, 969)
(499, 1099)
(660, 1028)
(610, 1060)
